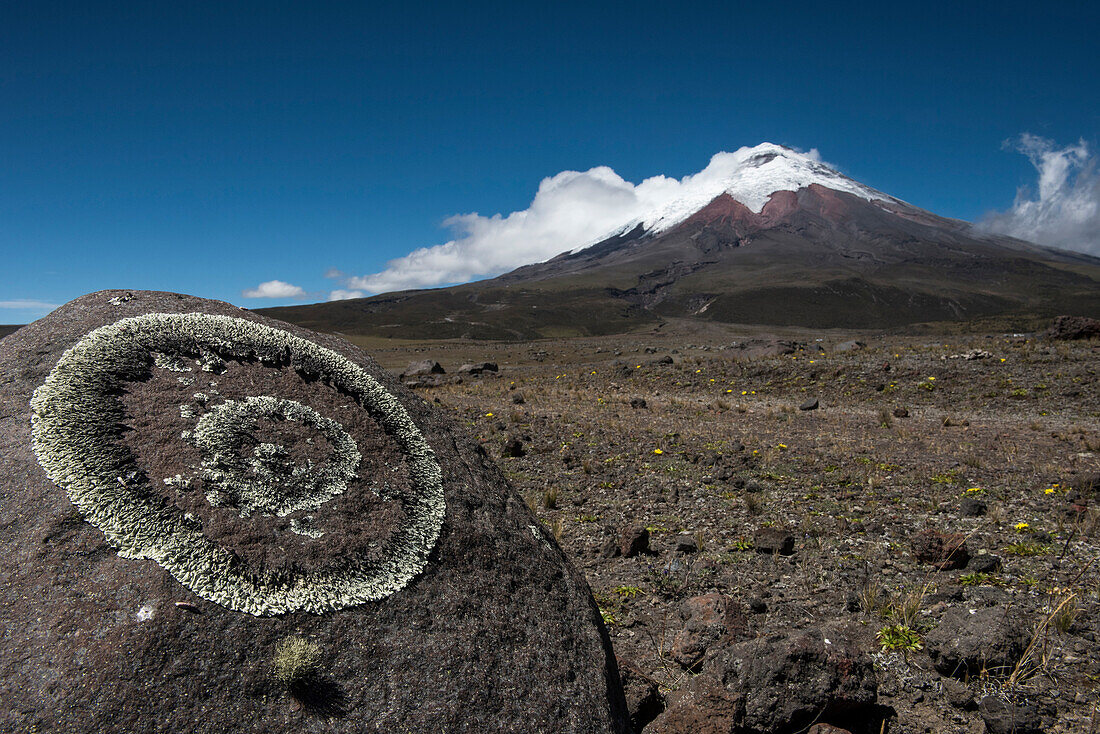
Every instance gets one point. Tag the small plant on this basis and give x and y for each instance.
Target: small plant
(550, 498)
(899, 637)
(978, 579)
(753, 504)
(1025, 548)
(885, 418)
(296, 660)
(905, 607)
(741, 544)
(557, 528)
(627, 592)
(870, 597)
(1064, 615)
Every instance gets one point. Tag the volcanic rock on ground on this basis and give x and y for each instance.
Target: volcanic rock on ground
(478, 368)
(207, 489)
(780, 683)
(1066, 328)
(644, 701)
(977, 642)
(421, 368)
(709, 620)
(945, 551)
(1007, 717)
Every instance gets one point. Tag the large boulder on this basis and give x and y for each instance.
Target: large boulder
(709, 621)
(422, 368)
(1069, 328)
(212, 521)
(972, 643)
(780, 683)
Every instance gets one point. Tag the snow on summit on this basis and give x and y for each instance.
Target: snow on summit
(749, 175)
(573, 210)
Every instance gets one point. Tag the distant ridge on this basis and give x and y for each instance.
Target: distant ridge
(773, 237)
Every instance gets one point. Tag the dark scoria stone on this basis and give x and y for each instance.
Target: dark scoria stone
(491, 629)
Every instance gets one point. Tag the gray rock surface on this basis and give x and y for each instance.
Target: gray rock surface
(158, 604)
(969, 642)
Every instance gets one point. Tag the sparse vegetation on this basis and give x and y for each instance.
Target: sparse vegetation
(296, 660)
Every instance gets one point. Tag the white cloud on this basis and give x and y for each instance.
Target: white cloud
(28, 304)
(1066, 213)
(568, 210)
(342, 295)
(274, 289)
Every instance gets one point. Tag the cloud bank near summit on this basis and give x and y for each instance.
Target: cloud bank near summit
(1065, 211)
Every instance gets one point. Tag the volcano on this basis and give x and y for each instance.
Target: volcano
(778, 238)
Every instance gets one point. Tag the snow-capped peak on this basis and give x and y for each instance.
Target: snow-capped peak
(751, 176)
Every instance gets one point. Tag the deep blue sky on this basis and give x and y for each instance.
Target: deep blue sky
(206, 147)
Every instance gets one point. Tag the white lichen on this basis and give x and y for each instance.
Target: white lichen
(305, 527)
(77, 421)
(268, 482)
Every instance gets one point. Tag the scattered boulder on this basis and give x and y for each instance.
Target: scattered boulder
(811, 404)
(686, 543)
(709, 620)
(513, 448)
(945, 551)
(779, 683)
(772, 541)
(757, 348)
(901, 412)
(638, 403)
(984, 563)
(478, 368)
(633, 541)
(958, 694)
(128, 596)
(1006, 717)
(972, 507)
(853, 345)
(421, 368)
(1071, 328)
(970, 354)
(644, 701)
(977, 642)
(518, 398)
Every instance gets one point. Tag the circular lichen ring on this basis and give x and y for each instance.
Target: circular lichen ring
(266, 482)
(77, 421)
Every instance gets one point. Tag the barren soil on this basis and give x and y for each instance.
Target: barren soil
(904, 432)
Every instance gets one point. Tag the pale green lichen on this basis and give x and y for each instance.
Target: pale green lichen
(268, 481)
(77, 422)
